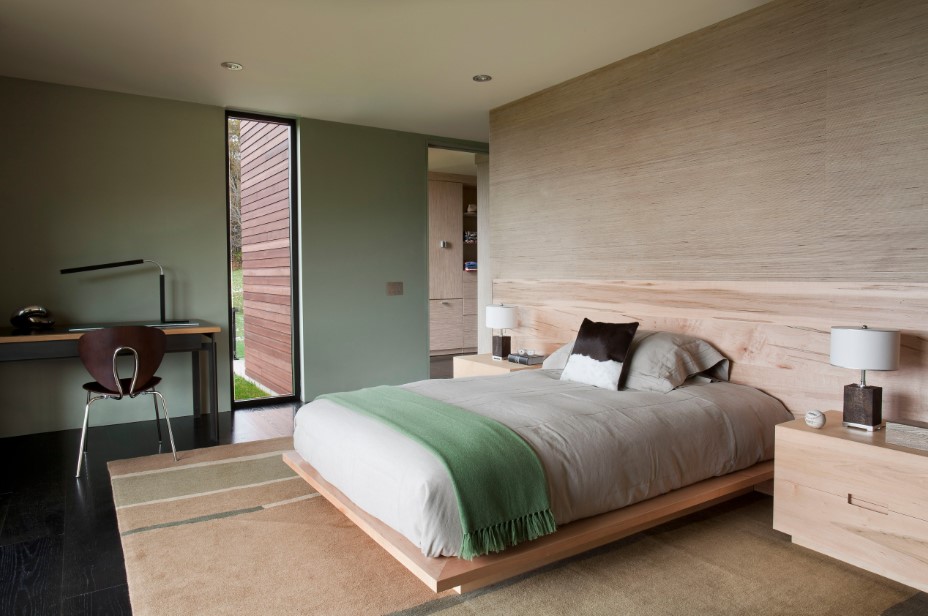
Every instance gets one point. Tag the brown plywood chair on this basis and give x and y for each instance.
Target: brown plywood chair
(99, 351)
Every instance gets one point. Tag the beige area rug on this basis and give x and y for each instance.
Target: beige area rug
(231, 530)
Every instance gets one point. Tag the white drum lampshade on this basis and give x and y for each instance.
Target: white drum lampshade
(864, 348)
(501, 317)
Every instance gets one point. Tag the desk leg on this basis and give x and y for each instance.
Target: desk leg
(195, 382)
(213, 386)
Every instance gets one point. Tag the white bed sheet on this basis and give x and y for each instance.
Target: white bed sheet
(601, 450)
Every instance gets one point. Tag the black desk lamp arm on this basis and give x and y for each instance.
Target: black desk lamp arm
(88, 268)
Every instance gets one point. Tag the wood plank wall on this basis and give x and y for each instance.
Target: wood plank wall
(775, 333)
(265, 151)
(786, 143)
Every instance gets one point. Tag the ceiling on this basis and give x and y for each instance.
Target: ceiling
(399, 64)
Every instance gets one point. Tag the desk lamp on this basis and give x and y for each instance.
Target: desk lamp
(864, 348)
(502, 318)
(89, 268)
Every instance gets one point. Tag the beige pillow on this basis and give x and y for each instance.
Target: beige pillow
(558, 359)
(662, 361)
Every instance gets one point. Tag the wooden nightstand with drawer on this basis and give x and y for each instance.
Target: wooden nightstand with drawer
(485, 365)
(853, 496)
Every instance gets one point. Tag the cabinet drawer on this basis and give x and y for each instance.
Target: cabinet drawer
(469, 282)
(897, 479)
(861, 532)
(470, 307)
(445, 325)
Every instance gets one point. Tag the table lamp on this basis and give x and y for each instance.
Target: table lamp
(864, 348)
(502, 318)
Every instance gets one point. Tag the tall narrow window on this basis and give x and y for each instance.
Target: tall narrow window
(262, 248)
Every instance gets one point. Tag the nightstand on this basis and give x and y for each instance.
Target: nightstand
(853, 496)
(485, 365)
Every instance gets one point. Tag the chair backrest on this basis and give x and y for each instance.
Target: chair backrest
(98, 348)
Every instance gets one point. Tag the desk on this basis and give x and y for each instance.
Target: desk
(61, 343)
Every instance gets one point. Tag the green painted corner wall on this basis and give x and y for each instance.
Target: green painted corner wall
(363, 223)
(90, 177)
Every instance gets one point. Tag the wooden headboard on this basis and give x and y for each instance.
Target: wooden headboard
(775, 333)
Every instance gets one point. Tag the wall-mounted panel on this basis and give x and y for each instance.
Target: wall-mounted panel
(789, 142)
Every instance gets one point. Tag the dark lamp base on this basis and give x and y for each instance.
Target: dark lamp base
(501, 347)
(863, 407)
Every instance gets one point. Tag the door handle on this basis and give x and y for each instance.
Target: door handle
(444, 244)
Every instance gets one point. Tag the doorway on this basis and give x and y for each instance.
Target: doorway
(261, 176)
(453, 257)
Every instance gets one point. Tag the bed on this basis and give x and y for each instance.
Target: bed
(643, 455)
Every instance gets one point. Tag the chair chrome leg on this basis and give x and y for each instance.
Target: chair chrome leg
(82, 448)
(164, 408)
(157, 421)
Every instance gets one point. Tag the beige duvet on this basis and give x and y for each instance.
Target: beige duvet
(601, 450)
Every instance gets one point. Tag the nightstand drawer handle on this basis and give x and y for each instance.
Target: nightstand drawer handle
(869, 506)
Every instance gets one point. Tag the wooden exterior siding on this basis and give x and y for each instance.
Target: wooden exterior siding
(267, 286)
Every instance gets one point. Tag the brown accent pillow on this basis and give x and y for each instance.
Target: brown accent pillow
(599, 353)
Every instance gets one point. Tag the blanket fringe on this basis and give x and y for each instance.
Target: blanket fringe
(498, 537)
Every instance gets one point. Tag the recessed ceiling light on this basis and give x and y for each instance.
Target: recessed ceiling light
(232, 66)
(482, 78)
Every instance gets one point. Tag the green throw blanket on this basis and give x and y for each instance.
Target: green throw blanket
(500, 484)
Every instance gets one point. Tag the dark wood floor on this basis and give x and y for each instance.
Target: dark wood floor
(59, 545)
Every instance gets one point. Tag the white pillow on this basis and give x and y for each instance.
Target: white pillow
(558, 359)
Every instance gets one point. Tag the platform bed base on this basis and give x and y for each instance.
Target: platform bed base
(446, 573)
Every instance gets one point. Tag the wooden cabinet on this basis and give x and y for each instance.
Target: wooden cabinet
(485, 365)
(851, 495)
(450, 288)
(446, 239)
(446, 333)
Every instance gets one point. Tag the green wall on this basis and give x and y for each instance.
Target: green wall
(89, 177)
(364, 222)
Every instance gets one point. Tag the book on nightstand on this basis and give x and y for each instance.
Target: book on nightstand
(526, 360)
(914, 436)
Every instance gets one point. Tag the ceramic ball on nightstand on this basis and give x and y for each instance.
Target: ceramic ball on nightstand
(815, 419)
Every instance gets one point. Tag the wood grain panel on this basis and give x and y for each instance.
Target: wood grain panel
(852, 462)
(777, 334)
(485, 241)
(786, 143)
(853, 496)
(265, 231)
(445, 224)
(469, 332)
(445, 327)
(485, 365)
(887, 543)
(467, 180)
(469, 285)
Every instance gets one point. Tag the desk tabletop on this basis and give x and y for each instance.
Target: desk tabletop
(75, 331)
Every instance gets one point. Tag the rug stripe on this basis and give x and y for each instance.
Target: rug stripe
(218, 516)
(198, 480)
(199, 494)
(291, 500)
(202, 518)
(184, 467)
